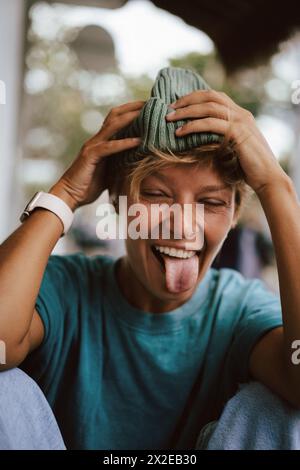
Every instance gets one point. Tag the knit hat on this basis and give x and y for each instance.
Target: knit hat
(171, 83)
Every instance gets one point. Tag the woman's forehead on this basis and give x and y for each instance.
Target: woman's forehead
(190, 175)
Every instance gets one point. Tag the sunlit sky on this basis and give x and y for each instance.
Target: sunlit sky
(145, 37)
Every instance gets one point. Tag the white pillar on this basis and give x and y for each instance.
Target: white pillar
(11, 52)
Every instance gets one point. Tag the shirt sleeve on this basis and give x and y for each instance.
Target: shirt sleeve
(260, 312)
(56, 304)
(56, 291)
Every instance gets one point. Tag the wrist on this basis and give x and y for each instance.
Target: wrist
(278, 183)
(278, 191)
(59, 191)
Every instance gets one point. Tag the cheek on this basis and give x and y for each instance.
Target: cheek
(136, 254)
(136, 248)
(216, 227)
(148, 220)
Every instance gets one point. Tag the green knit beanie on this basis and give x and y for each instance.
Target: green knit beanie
(171, 83)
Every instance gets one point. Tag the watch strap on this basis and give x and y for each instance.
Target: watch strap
(53, 204)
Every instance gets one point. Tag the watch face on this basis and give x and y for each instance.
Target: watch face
(24, 216)
(32, 202)
(29, 207)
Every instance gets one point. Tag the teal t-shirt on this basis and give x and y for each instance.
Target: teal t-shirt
(117, 377)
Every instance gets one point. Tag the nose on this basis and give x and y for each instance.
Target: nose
(187, 223)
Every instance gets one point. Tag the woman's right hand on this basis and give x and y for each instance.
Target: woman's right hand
(82, 183)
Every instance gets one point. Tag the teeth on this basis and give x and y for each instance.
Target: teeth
(174, 252)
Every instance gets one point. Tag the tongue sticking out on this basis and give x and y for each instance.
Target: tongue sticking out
(181, 274)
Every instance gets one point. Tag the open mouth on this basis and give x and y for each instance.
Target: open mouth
(160, 256)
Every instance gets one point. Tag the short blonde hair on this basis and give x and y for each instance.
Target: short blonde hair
(222, 158)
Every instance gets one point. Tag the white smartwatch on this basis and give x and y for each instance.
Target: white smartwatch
(52, 203)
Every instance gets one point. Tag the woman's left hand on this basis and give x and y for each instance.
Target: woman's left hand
(214, 111)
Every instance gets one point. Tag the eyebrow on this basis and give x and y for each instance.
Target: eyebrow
(213, 188)
(205, 189)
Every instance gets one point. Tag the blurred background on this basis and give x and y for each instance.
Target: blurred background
(64, 65)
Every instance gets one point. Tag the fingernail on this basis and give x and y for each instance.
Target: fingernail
(179, 129)
(170, 111)
(173, 104)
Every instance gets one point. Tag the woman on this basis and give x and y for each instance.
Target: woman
(141, 352)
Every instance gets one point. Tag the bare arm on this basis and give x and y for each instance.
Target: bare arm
(270, 360)
(25, 253)
(23, 258)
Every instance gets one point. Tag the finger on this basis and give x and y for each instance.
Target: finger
(202, 96)
(123, 108)
(114, 124)
(209, 109)
(219, 126)
(131, 106)
(110, 147)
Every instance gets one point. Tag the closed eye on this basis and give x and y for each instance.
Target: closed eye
(213, 202)
(154, 193)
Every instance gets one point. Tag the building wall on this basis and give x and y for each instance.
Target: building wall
(11, 50)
